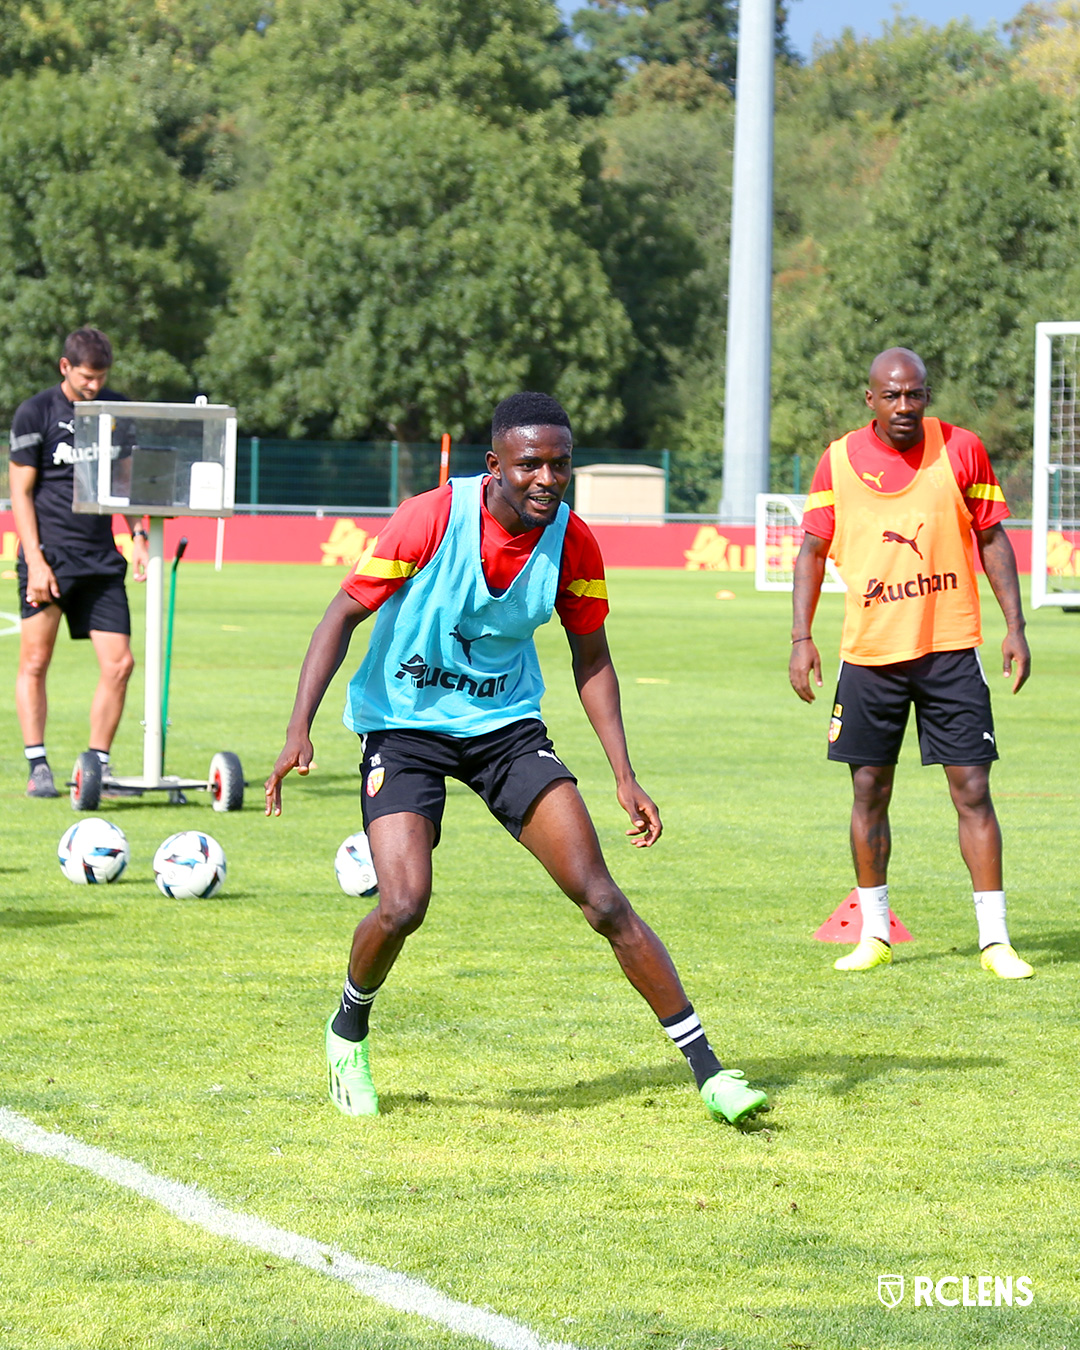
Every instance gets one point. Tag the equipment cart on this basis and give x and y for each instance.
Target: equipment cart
(159, 460)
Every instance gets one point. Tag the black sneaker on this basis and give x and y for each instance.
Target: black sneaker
(41, 782)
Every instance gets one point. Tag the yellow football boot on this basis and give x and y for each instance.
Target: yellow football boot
(1001, 959)
(869, 953)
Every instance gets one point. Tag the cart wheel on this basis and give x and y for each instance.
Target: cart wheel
(86, 782)
(226, 782)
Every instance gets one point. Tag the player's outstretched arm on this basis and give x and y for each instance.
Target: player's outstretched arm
(326, 651)
(598, 689)
(809, 574)
(999, 564)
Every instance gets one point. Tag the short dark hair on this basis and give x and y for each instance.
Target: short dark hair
(88, 347)
(528, 410)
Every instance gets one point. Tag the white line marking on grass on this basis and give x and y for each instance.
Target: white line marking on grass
(14, 624)
(197, 1207)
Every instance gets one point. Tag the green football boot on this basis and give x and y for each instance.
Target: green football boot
(729, 1098)
(351, 1088)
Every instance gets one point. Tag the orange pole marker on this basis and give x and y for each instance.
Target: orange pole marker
(444, 460)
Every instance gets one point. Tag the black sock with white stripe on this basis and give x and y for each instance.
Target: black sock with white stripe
(686, 1031)
(35, 755)
(351, 1022)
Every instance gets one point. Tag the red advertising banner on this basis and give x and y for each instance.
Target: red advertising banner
(335, 541)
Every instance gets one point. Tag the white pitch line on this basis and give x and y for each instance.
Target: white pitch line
(198, 1208)
(13, 620)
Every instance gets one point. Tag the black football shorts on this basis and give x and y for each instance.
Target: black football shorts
(95, 603)
(508, 768)
(952, 711)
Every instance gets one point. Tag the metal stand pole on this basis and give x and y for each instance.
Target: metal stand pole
(155, 591)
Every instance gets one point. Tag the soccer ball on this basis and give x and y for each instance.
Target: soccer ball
(189, 866)
(93, 850)
(353, 866)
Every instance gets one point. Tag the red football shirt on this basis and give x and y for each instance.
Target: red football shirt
(415, 531)
(887, 470)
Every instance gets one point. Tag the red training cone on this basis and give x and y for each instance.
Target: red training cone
(844, 923)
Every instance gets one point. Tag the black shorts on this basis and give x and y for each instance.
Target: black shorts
(93, 603)
(508, 768)
(952, 711)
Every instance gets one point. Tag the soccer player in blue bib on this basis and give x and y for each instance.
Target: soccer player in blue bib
(451, 687)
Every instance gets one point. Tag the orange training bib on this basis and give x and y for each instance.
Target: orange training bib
(907, 559)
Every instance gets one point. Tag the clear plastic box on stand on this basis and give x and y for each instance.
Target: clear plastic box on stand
(156, 460)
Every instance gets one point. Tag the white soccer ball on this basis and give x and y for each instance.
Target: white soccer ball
(93, 850)
(353, 866)
(189, 866)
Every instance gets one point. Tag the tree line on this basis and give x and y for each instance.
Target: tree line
(372, 218)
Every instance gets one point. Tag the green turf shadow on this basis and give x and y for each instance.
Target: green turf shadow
(45, 918)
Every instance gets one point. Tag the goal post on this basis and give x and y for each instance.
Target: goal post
(1055, 485)
(778, 536)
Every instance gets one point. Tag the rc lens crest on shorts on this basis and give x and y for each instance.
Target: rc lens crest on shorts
(836, 722)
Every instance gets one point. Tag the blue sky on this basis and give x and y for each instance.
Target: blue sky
(808, 18)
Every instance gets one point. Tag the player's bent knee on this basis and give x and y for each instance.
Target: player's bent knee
(607, 910)
(399, 917)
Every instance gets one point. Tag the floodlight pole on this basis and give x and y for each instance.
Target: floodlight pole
(749, 329)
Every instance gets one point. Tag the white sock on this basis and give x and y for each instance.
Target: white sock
(874, 904)
(990, 915)
(33, 752)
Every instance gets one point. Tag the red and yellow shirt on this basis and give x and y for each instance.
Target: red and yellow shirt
(884, 469)
(415, 531)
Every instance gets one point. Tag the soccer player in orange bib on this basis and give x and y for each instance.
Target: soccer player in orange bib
(900, 506)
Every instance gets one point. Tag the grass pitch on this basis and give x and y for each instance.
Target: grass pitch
(542, 1151)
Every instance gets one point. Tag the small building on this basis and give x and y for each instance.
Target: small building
(610, 494)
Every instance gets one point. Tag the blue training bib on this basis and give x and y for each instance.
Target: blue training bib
(446, 655)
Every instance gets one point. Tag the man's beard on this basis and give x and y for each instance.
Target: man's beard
(531, 523)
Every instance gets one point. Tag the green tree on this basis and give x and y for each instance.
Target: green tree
(846, 129)
(969, 240)
(491, 57)
(68, 35)
(411, 267)
(1047, 42)
(165, 51)
(911, 65)
(96, 226)
(700, 33)
(667, 176)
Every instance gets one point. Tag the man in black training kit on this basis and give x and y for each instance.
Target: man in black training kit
(68, 563)
(450, 687)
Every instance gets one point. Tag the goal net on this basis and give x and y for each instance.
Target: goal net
(778, 536)
(1055, 490)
